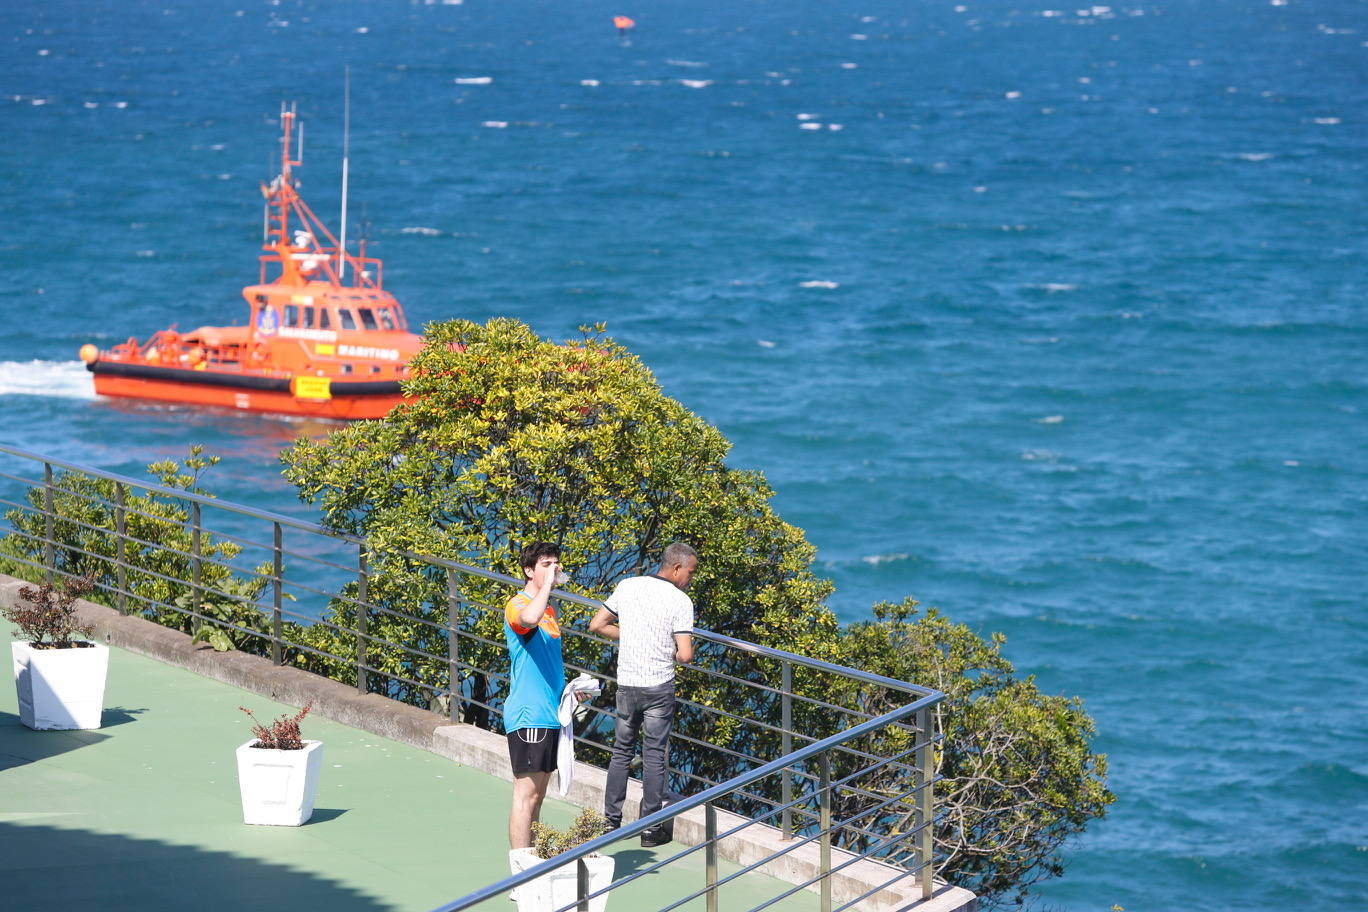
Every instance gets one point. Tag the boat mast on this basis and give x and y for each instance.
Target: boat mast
(284, 192)
(346, 146)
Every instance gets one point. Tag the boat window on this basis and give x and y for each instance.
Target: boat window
(308, 317)
(324, 320)
(346, 368)
(344, 315)
(367, 318)
(386, 318)
(291, 315)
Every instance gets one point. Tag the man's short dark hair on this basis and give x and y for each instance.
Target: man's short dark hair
(534, 552)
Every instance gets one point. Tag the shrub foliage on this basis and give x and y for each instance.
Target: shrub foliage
(46, 615)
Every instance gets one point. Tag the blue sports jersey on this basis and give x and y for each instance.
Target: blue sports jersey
(537, 674)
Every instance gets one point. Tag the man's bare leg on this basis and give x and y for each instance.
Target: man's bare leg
(528, 791)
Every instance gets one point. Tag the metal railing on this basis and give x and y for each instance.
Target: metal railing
(710, 799)
(759, 732)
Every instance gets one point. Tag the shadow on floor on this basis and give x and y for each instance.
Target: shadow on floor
(20, 745)
(47, 867)
(629, 861)
(119, 715)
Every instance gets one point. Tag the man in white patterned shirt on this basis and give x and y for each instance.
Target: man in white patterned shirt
(652, 620)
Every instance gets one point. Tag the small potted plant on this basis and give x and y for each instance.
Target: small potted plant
(58, 672)
(278, 771)
(559, 888)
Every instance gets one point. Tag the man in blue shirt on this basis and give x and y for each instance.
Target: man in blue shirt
(536, 678)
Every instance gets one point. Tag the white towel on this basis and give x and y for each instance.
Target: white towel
(565, 746)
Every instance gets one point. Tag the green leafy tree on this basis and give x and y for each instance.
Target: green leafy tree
(510, 438)
(158, 551)
(1020, 778)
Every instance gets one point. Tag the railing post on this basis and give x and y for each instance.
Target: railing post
(362, 615)
(926, 805)
(710, 853)
(277, 595)
(786, 746)
(824, 822)
(581, 885)
(121, 533)
(196, 566)
(453, 647)
(49, 526)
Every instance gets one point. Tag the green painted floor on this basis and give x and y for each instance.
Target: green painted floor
(144, 814)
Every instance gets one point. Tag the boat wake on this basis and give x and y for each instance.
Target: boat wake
(61, 379)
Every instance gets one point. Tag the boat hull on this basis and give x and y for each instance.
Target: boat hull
(348, 400)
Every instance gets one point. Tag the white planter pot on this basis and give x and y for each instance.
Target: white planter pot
(278, 786)
(60, 688)
(560, 887)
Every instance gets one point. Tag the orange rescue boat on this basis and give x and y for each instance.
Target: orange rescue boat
(324, 338)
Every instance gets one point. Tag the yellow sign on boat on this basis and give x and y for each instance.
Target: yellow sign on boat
(311, 388)
(325, 349)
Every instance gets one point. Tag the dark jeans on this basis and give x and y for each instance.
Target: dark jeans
(648, 712)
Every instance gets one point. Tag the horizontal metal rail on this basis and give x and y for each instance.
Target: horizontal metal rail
(683, 805)
(65, 527)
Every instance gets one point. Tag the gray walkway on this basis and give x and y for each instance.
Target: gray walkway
(144, 814)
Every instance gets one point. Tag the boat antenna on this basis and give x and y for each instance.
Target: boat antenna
(365, 230)
(346, 148)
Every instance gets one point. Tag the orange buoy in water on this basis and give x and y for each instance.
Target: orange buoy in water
(623, 23)
(90, 353)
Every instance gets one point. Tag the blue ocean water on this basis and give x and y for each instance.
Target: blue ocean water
(1049, 316)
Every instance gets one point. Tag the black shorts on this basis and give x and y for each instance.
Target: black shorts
(533, 750)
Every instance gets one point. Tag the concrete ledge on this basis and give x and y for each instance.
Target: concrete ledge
(890, 888)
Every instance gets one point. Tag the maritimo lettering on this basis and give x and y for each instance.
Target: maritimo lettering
(363, 351)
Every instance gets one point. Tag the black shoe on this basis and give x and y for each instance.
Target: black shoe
(655, 836)
(614, 823)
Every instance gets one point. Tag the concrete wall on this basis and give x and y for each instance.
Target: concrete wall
(488, 751)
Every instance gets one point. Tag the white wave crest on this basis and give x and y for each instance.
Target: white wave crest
(819, 283)
(62, 379)
(473, 80)
(875, 559)
(419, 229)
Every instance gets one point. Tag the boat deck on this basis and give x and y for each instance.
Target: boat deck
(144, 813)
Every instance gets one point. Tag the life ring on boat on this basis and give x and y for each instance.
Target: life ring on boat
(260, 353)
